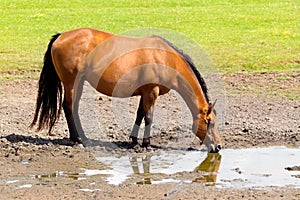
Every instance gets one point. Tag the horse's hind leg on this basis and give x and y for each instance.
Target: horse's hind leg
(78, 88)
(68, 109)
(70, 106)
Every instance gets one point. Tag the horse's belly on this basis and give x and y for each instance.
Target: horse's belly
(120, 89)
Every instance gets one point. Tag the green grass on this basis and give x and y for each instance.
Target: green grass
(238, 35)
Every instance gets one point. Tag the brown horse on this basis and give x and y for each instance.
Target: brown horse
(120, 66)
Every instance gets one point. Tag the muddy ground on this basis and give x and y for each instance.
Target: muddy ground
(261, 109)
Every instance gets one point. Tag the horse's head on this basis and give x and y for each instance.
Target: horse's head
(205, 126)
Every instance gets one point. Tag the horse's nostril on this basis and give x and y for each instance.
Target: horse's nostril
(219, 147)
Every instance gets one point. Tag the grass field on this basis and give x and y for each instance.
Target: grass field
(238, 35)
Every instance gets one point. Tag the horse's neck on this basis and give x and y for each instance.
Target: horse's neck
(191, 92)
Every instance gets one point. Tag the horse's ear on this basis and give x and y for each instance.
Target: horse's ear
(211, 106)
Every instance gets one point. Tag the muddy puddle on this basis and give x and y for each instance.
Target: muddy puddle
(238, 168)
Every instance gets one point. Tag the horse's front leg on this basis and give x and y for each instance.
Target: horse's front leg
(149, 101)
(136, 127)
(148, 122)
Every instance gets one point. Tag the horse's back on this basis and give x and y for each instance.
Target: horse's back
(71, 48)
(109, 61)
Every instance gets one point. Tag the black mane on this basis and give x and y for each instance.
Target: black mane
(189, 60)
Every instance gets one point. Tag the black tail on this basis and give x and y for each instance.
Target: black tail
(50, 91)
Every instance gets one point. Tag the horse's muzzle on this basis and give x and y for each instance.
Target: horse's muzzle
(214, 149)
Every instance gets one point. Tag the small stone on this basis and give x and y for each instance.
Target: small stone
(238, 170)
(245, 130)
(268, 119)
(294, 168)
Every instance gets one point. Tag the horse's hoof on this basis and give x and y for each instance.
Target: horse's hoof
(148, 148)
(134, 140)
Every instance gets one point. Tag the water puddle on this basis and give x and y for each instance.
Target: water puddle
(239, 168)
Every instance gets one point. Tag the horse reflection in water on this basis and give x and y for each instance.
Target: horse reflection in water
(134, 161)
(207, 169)
(210, 166)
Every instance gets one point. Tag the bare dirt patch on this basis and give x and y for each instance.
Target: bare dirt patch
(261, 110)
